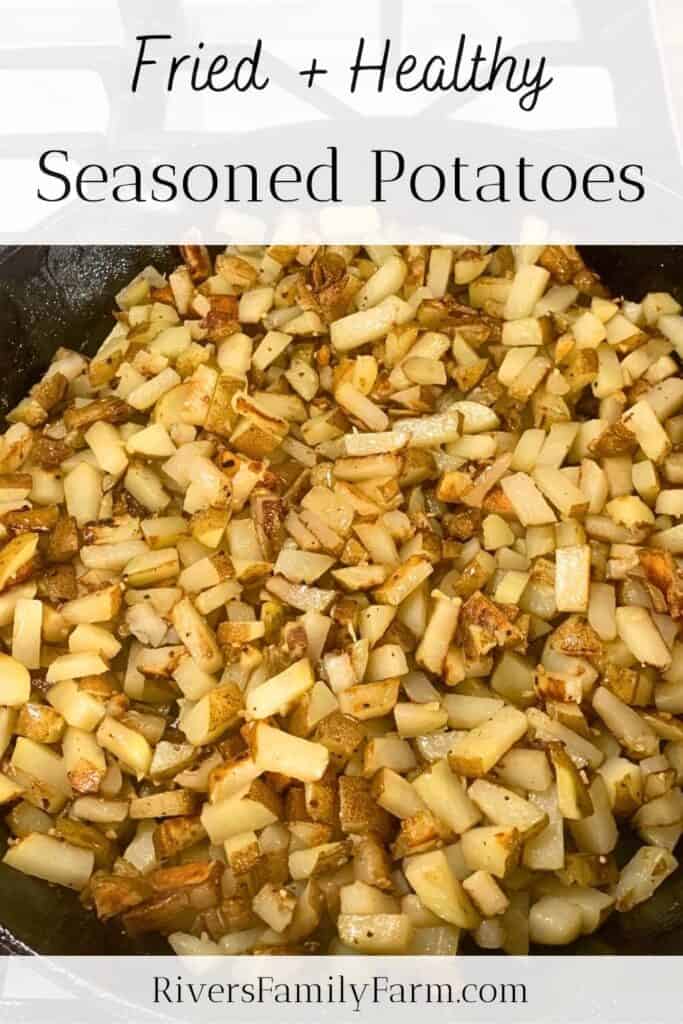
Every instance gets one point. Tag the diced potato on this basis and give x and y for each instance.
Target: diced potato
(360, 898)
(83, 493)
(625, 723)
(79, 708)
(369, 325)
(651, 435)
(42, 773)
(145, 486)
(152, 442)
(375, 933)
(302, 566)
(140, 852)
(173, 803)
(26, 632)
(74, 666)
(639, 633)
(526, 769)
(151, 568)
(100, 606)
(431, 877)
(433, 648)
(573, 797)
(572, 578)
(275, 905)
(390, 752)
(596, 832)
(235, 816)
(404, 580)
(491, 848)
(197, 636)
(15, 682)
(129, 746)
(387, 661)
(486, 894)
(503, 807)
(105, 442)
(629, 511)
(478, 751)
(52, 860)
(96, 639)
(588, 330)
(624, 783)
(396, 795)
(9, 790)
(530, 506)
(445, 796)
(84, 760)
(419, 719)
(276, 695)
(528, 286)
(102, 812)
(318, 860)
(560, 491)
(581, 750)
(276, 751)
(646, 870)
(370, 700)
(212, 715)
(554, 921)
(15, 555)
(467, 712)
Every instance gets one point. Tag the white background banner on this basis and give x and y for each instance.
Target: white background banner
(341, 990)
(131, 121)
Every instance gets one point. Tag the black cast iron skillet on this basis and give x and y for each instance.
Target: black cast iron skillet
(63, 295)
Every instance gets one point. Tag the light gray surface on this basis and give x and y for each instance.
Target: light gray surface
(616, 98)
(557, 989)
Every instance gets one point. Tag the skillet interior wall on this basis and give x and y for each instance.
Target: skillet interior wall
(52, 296)
(60, 295)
